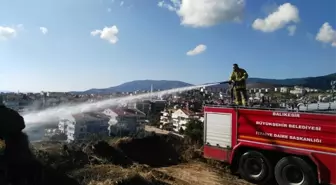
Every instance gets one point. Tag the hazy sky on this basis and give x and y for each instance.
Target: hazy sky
(80, 44)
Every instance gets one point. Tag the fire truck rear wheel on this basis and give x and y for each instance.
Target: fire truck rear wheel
(294, 171)
(254, 167)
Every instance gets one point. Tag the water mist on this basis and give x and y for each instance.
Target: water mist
(37, 119)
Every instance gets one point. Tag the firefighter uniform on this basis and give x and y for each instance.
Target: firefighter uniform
(238, 77)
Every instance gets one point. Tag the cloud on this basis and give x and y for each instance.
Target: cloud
(109, 9)
(197, 50)
(7, 33)
(205, 13)
(170, 7)
(44, 30)
(326, 34)
(108, 33)
(291, 30)
(121, 3)
(284, 15)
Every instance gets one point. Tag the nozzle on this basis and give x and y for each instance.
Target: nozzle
(224, 82)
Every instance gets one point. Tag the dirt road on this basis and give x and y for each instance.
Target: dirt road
(156, 130)
(195, 173)
(198, 173)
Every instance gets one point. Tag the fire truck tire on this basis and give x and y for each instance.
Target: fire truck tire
(294, 170)
(254, 167)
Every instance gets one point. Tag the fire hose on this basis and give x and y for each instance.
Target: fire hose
(231, 86)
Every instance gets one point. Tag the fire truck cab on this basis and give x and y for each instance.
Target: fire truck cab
(291, 147)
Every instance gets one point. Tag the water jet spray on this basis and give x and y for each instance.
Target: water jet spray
(37, 119)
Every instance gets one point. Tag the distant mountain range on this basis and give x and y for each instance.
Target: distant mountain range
(319, 82)
(141, 85)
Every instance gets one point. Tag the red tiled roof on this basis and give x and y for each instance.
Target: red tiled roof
(188, 112)
(89, 116)
(124, 112)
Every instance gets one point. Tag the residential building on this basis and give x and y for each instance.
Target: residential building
(143, 106)
(79, 126)
(284, 89)
(298, 91)
(165, 120)
(124, 114)
(157, 106)
(48, 133)
(181, 117)
(124, 120)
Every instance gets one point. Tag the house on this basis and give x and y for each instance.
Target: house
(165, 120)
(79, 126)
(50, 132)
(143, 106)
(298, 91)
(284, 89)
(125, 114)
(124, 120)
(157, 106)
(181, 117)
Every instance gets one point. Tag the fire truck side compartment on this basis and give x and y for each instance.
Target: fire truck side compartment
(309, 135)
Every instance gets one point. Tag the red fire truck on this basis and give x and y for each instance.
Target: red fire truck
(294, 148)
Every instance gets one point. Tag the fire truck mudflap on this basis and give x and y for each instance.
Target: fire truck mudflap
(292, 147)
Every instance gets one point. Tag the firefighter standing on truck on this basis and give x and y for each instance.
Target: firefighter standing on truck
(238, 78)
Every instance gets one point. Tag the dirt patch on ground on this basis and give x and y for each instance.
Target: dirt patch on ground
(158, 159)
(116, 175)
(156, 151)
(197, 173)
(112, 155)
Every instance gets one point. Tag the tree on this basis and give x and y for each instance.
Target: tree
(196, 107)
(194, 130)
(154, 120)
(181, 131)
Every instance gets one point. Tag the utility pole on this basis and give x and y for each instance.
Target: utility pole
(151, 96)
(333, 89)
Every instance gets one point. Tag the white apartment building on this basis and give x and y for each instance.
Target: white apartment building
(284, 89)
(79, 126)
(298, 90)
(124, 120)
(181, 117)
(165, 120)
